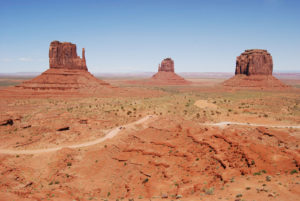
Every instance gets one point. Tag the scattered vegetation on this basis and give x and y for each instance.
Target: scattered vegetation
(209, 191)
(294, 171)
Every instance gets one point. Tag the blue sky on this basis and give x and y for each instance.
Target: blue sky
(135, 35)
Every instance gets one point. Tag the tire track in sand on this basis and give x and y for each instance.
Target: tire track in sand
(109, 135)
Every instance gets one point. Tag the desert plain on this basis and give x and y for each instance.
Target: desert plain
(201, 141)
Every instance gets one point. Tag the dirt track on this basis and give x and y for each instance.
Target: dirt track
(109, 135)
(117, 130)
(225, 123)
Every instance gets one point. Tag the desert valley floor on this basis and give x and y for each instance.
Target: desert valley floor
(145, 142)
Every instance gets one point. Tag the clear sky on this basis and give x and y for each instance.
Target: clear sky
(135, 35)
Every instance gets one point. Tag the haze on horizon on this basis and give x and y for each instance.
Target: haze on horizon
(134, 35)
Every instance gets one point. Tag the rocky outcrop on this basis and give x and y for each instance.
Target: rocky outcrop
(68, 73)
(166, 74)
(254, 62)
(167, 65)
(64, 55)
(254, 69)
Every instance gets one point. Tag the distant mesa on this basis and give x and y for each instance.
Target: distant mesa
(254, 68)
(166, 74)
(67, 72)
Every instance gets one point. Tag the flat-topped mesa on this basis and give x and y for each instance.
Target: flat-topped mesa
(64, 55)
(166, 65)
(254, 62)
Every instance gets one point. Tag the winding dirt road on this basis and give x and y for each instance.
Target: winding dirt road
(109, 135)
(117, 130)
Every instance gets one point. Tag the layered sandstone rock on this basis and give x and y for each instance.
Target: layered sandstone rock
(166, 74)
(254, 62)
(254, 69)
(167, 65)
(68, 72)
(64, 55)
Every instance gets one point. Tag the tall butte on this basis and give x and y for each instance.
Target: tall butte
(166, 74)
(254, 68)
(67, 72)
(64, 56)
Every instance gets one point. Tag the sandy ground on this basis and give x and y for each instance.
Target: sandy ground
(155, 143)
(205, 104)
(109, 135)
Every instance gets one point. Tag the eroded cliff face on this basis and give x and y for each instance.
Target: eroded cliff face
(167, 65)
(254, 62)
(64, 55)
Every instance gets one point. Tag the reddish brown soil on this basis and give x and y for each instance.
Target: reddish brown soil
(168, 158)
(172, 156)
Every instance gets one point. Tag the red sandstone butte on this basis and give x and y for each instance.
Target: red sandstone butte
(166, 74)
(67, 72)
(64, 55)
(254, 62)
(254, 68)
(167, 65)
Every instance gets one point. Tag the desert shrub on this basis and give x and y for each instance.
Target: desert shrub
(268, 178)
(209, 191)
(260, 172)
(256, 173)
(294, 171)
(239, 195)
